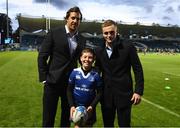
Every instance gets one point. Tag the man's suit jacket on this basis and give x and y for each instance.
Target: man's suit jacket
(116, 73)
(54, 60)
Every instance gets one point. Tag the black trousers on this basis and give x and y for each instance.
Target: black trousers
(51, 96)
(123, 115)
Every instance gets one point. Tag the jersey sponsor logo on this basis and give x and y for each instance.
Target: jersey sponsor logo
(82, 89)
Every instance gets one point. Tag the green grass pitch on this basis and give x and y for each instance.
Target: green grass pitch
(21, 93)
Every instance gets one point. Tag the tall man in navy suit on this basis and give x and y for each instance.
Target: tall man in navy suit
(115, 60)
(57, 57)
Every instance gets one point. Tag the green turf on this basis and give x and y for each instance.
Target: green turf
(21, 93)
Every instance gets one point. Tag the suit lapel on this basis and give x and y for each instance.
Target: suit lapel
(65, 38)
(80, 44)
(106, 57)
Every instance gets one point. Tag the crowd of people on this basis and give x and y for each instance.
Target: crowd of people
(108, 81)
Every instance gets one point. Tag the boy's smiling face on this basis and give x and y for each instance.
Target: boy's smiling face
(87, 60)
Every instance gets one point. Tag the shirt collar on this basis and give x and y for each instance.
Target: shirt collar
(108, 47)
(67, 32)
(84, 71)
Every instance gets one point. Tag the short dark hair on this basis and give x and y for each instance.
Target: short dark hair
(108, 23)
(90, 50)
(73, 9)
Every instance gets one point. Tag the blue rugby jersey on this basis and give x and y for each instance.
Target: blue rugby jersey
(84, 86)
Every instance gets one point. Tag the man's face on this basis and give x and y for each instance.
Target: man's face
(109, 33)
(73, 21)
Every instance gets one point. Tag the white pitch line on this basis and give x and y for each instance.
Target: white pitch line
(160, 107)
(171, 73)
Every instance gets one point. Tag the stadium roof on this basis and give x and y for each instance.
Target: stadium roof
(31, 24)
(39, 32)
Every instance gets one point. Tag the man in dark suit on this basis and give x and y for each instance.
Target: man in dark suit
(115, 61)
(57, 57)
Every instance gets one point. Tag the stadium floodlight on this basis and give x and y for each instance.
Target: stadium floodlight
(49, 16)
(48, 20)
(7, 20)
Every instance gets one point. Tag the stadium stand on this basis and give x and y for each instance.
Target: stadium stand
(31, 40)
(145, 38)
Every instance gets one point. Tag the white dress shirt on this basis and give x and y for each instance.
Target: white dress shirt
(71, 40)
(109, 50)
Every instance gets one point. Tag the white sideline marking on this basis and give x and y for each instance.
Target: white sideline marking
(171, 74)
(162, 108)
